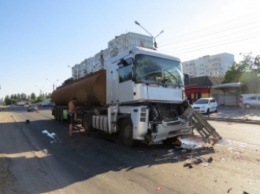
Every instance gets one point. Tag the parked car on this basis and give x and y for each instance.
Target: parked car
(45, 103)
(21, 103)
(252, 101)
(32, 108)
(205, 105)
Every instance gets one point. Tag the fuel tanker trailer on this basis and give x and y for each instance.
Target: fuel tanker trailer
(89, 90)
(138, 95)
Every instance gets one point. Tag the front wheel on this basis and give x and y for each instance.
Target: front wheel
(87, 124)
(126, 132)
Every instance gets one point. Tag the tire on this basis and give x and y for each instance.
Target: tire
(86, 123)
(247, 106)
(56, 116)
(126, 132)
(61, 115)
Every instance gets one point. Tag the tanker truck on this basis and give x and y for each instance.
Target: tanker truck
(138, 95)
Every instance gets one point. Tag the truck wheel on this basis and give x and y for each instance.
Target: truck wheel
(86, 123)
(58, 115)
(61, 115)
(126, 132)
(55, 116)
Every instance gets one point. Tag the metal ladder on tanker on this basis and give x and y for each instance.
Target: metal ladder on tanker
(207, 132)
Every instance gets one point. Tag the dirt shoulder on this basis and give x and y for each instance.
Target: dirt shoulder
(7, 179)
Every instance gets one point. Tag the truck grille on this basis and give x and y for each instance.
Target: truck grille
(167, 112)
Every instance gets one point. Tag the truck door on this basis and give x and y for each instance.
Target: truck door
(125, 86)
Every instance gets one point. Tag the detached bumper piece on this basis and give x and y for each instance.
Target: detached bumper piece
(207, 132)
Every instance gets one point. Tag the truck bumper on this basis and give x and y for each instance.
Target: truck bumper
(169, 130)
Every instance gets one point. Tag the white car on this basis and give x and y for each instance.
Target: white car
(253, 101)
(205, 105)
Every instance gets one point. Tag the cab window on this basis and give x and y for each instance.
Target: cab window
(125, 70)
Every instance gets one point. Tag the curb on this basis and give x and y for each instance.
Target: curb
(234, 120)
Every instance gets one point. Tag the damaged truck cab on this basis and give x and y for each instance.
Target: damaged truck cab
(147, 90)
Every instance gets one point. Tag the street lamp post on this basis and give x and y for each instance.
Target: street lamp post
(53, 83)
(154, 37)
(41, 91)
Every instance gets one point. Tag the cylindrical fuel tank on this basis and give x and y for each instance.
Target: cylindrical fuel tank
(89, 90)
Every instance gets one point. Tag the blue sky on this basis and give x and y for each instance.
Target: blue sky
(40, 38)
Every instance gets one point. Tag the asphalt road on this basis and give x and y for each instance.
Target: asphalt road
(31, 161)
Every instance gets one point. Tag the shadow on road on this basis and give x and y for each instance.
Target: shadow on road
(80, 157)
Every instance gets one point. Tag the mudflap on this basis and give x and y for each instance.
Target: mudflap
(206, 131)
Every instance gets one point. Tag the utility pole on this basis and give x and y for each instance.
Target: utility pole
(53, 83)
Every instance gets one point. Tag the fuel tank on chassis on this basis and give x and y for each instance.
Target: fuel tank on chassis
(89, 90)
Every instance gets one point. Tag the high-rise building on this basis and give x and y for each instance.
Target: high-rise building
(209, 65)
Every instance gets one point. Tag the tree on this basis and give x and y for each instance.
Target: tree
(23, 96)
(247, 72)
(7, 100)
(33, 96)
(257, 61)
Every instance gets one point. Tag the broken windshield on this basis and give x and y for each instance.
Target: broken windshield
(156, 70)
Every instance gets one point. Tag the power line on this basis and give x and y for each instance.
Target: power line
(220, 41)
(188, 50)
(227, 34)
(212, 29)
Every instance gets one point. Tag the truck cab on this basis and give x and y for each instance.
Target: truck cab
(143, 75)
(145, 96)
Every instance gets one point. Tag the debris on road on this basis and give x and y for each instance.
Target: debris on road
(198, 160)
(191, 142)
(210, 159)
(52, 135)
(158, 189)
(229, 190)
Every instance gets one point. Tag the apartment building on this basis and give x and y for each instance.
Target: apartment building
(209, 65)
(115, 46)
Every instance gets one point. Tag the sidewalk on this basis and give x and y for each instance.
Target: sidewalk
(232, 113)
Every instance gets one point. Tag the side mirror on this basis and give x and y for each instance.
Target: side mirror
(123, 62)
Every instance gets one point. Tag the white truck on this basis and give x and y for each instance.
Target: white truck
(138, 94)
